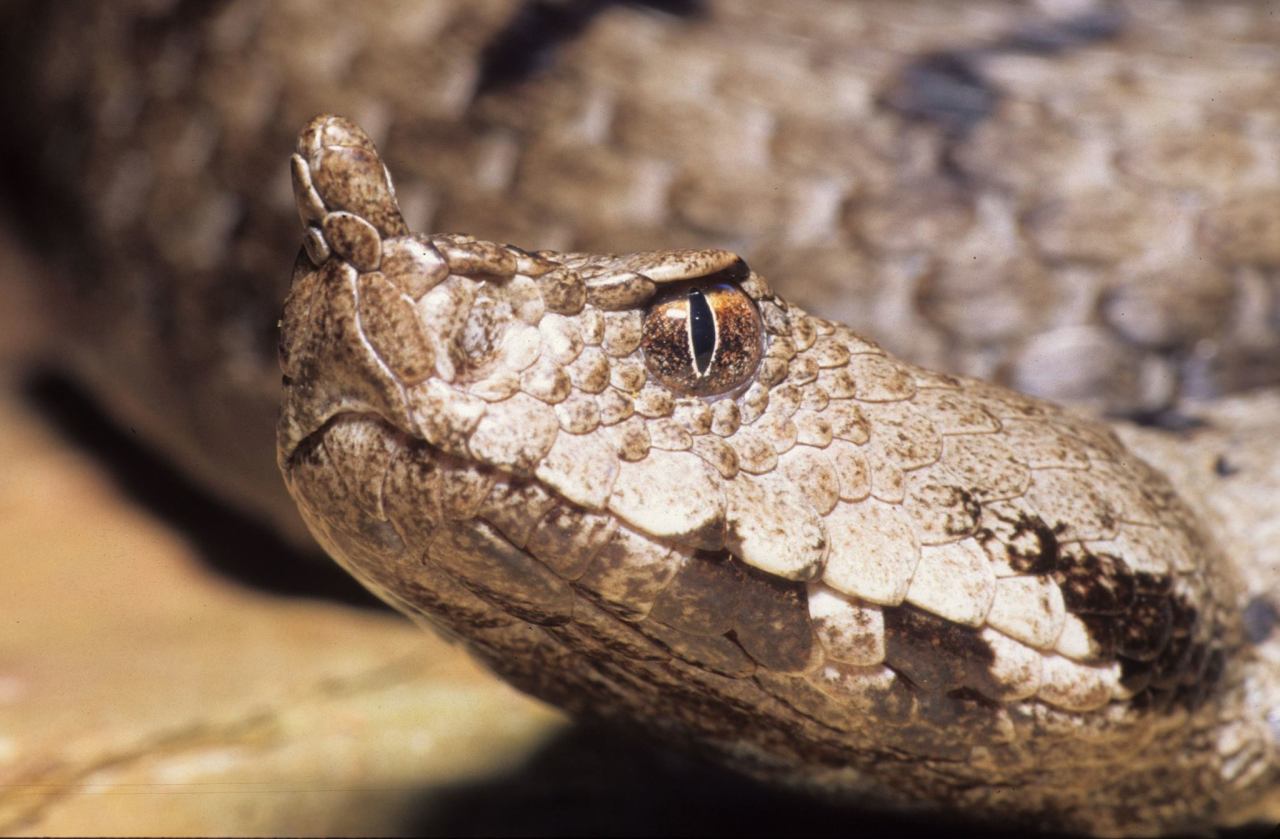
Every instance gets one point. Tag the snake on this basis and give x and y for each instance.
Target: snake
(647, 488)
(918, 172)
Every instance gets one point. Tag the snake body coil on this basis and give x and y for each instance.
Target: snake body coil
(645, 487)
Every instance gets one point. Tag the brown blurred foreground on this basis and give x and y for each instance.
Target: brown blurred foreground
(141, 692)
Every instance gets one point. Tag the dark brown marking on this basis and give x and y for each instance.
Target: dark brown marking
(1167, 419)
(527, 45)
(1097, 584)
(1146, 628)
(1055, 36)
(1148, 583)
(961, 510)
(1031, 547)
(973, 697)
(716, 653)
(934, 653)
(950, 89)
(772, 621)
(1138, 619)
(944, 88)
(1172, 662)
(1135, 675)
(702, 598)
(1104, 633)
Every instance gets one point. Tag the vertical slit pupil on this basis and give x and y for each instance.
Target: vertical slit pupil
(702, 331)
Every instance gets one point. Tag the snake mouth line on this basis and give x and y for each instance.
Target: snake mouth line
(404, 439)
(314, 438)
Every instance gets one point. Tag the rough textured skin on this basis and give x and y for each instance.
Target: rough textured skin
(853, 574)
(917, 170)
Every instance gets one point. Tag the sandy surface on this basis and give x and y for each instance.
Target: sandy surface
(143, 692)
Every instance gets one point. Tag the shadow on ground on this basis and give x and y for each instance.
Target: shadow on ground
(231, 543)
(594, 781)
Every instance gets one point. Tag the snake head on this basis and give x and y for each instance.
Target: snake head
(643, 485)
(622, 384)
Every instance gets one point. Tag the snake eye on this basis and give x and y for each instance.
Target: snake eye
(702, 340)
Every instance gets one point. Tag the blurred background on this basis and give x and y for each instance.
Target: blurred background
(1080, 199)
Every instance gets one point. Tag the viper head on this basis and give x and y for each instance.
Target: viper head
(637, 384)
(644, 484)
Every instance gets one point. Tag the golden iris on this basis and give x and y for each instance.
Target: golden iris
(702, 339)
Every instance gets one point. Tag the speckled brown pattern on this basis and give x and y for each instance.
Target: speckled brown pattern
(854, 575)
(917, 171)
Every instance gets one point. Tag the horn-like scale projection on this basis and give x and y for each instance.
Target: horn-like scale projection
(647, 489)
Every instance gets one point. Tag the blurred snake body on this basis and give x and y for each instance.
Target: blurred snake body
(773, 539)
(653, 488)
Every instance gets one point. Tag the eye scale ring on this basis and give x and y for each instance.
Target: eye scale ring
(703, 340)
